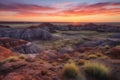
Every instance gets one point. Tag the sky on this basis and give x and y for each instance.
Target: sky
(60, 10)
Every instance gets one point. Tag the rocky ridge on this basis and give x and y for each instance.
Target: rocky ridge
(25, 33)
(20, 46)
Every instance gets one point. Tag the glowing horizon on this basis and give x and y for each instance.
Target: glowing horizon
(60, 11)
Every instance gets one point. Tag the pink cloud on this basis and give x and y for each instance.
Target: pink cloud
(107, 8)
(18, 7)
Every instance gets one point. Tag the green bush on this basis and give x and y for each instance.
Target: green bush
(96, 70)
(71, 72)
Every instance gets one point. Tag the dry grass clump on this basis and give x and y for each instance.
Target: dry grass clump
(81, 62)
(21, 56)
(54, 63)
(96, 70)
(11, 59)
(72, 72)
(92, 56)
(99, 54)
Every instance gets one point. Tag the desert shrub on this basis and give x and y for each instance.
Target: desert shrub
(81, 62)
(71, 72)
(106, 47)
(11, 59)
(92, 56)
(99, 54)
(96, 70)
(21, 56)
(55, 63)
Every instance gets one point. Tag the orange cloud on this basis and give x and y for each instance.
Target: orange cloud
(69, 13)
(93, 9)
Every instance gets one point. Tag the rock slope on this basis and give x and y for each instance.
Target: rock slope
(5, 53)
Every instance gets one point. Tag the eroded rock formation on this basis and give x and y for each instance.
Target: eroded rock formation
(26, 33)
(21, 46)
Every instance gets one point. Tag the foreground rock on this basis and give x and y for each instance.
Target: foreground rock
(24, 70)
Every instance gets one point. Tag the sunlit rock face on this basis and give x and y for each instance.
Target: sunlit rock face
(25, 34)
(5, 53)
(20, 46)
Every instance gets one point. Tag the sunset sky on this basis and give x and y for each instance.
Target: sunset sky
(60, 10)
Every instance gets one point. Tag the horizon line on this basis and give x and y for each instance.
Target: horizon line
(53, 22)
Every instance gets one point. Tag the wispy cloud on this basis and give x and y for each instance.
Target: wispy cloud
(92, 9)
(22, 9)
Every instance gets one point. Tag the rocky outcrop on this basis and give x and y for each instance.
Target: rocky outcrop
(28, 48)
(20, 46)
(5, 53)
(25, 34)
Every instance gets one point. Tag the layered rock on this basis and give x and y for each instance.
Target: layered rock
(21, 46)
(5, 53)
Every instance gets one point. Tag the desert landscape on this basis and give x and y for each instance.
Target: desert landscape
(59, 40)
(54, 52)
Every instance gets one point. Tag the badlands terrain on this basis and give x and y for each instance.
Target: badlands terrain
(60, 52)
